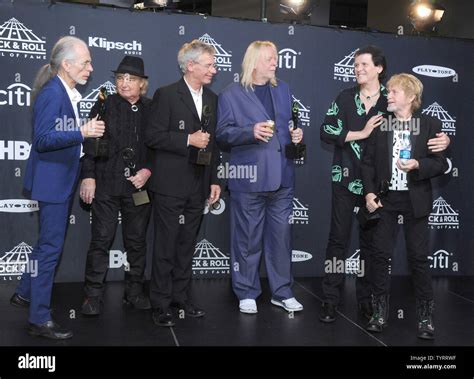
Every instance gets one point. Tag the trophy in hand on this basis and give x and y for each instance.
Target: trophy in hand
(202, 156)
(99, 147)
(141, 196)
(366, 218)
(295, 150)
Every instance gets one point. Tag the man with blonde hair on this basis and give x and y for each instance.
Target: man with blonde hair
(397, 152)
(261, 204)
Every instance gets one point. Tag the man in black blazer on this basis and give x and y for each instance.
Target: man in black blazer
(181, 133)
(397, 152)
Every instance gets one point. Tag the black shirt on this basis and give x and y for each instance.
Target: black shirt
(347, 113)
(124, 128)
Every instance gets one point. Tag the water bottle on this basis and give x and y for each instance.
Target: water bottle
(405, 148)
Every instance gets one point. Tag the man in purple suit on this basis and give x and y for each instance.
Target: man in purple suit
(254, 119)
(52, 172)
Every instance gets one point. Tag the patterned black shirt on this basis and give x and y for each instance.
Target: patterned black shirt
(347, 113)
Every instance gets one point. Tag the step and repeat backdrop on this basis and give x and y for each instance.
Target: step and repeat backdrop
(316, 62)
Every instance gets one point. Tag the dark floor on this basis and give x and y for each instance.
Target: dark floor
(224, 325)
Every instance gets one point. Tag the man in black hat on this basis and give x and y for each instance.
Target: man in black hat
(110, 182)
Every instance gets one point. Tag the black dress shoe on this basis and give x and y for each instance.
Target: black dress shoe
(140, 301)
(49, 330)
(162, 317)
(328, 313)
(19, 302)
(366, 309)
(92, 306)
(189, 309)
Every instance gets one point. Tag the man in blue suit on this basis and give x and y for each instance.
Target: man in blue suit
(261, 198)
(52, 172)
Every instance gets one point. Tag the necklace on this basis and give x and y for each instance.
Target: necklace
(368, 97)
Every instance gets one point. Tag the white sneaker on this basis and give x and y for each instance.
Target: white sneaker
(248, 306)
(290, 305)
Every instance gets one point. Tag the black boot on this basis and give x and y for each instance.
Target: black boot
(379, 319)
(424, 313)
(366, 309)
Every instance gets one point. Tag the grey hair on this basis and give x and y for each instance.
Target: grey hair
(191, 52)
(63, 49)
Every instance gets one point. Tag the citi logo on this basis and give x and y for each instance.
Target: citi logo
(14, 150)
(443, 216)
(448, 122)
(300, 256)
(209, 260)
(300, 213)
(344, 69)
(216, 209)
(287, 58)
(440, 260)
(130, 48)
(434, 71)
(16, 94)
(303, 112)
(18, 206)
(87, 102)
(222, 58)
(18, 41)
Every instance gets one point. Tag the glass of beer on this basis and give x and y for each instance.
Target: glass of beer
(270, 125)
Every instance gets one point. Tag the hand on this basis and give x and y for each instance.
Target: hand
(371, 204)
(87, 190)
(93, 129)
(262, 131)
(296, 135)
(440, 143)
(373, 123)
(199, 139)
(140, 178)
(215, 194)
(410, 164)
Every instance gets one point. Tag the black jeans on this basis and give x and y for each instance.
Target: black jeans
(416, 239)
(342, 215)
(135, 220)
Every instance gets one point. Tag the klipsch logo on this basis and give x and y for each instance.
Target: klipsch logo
(16, 94)
(443, 216)
(18, 206)
(16, 41)
(87, 102)
(129, 48)
(287, 58)
(223, 59)
(209, 260)
(434, 71)
(16, 261)
(448, 122)
(344, 69)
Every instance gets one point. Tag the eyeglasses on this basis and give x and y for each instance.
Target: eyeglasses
(206, 66)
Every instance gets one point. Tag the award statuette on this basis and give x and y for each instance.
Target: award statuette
(202, 156)
(99, 147)
(367, 219)
(140, 197)
(295, 150)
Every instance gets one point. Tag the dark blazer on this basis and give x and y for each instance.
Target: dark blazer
(172, 118)
(377, 163)
(53, 166)
(238, 111)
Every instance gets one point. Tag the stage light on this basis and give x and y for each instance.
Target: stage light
(292, 6)
(424, 15)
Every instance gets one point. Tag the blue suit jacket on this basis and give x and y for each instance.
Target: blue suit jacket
(237, 112)
(53, 166)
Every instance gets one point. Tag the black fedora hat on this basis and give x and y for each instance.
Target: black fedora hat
(131, 65)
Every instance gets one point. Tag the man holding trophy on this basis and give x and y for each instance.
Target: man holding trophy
(255, 126)
(114, 174)
(181, 134)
